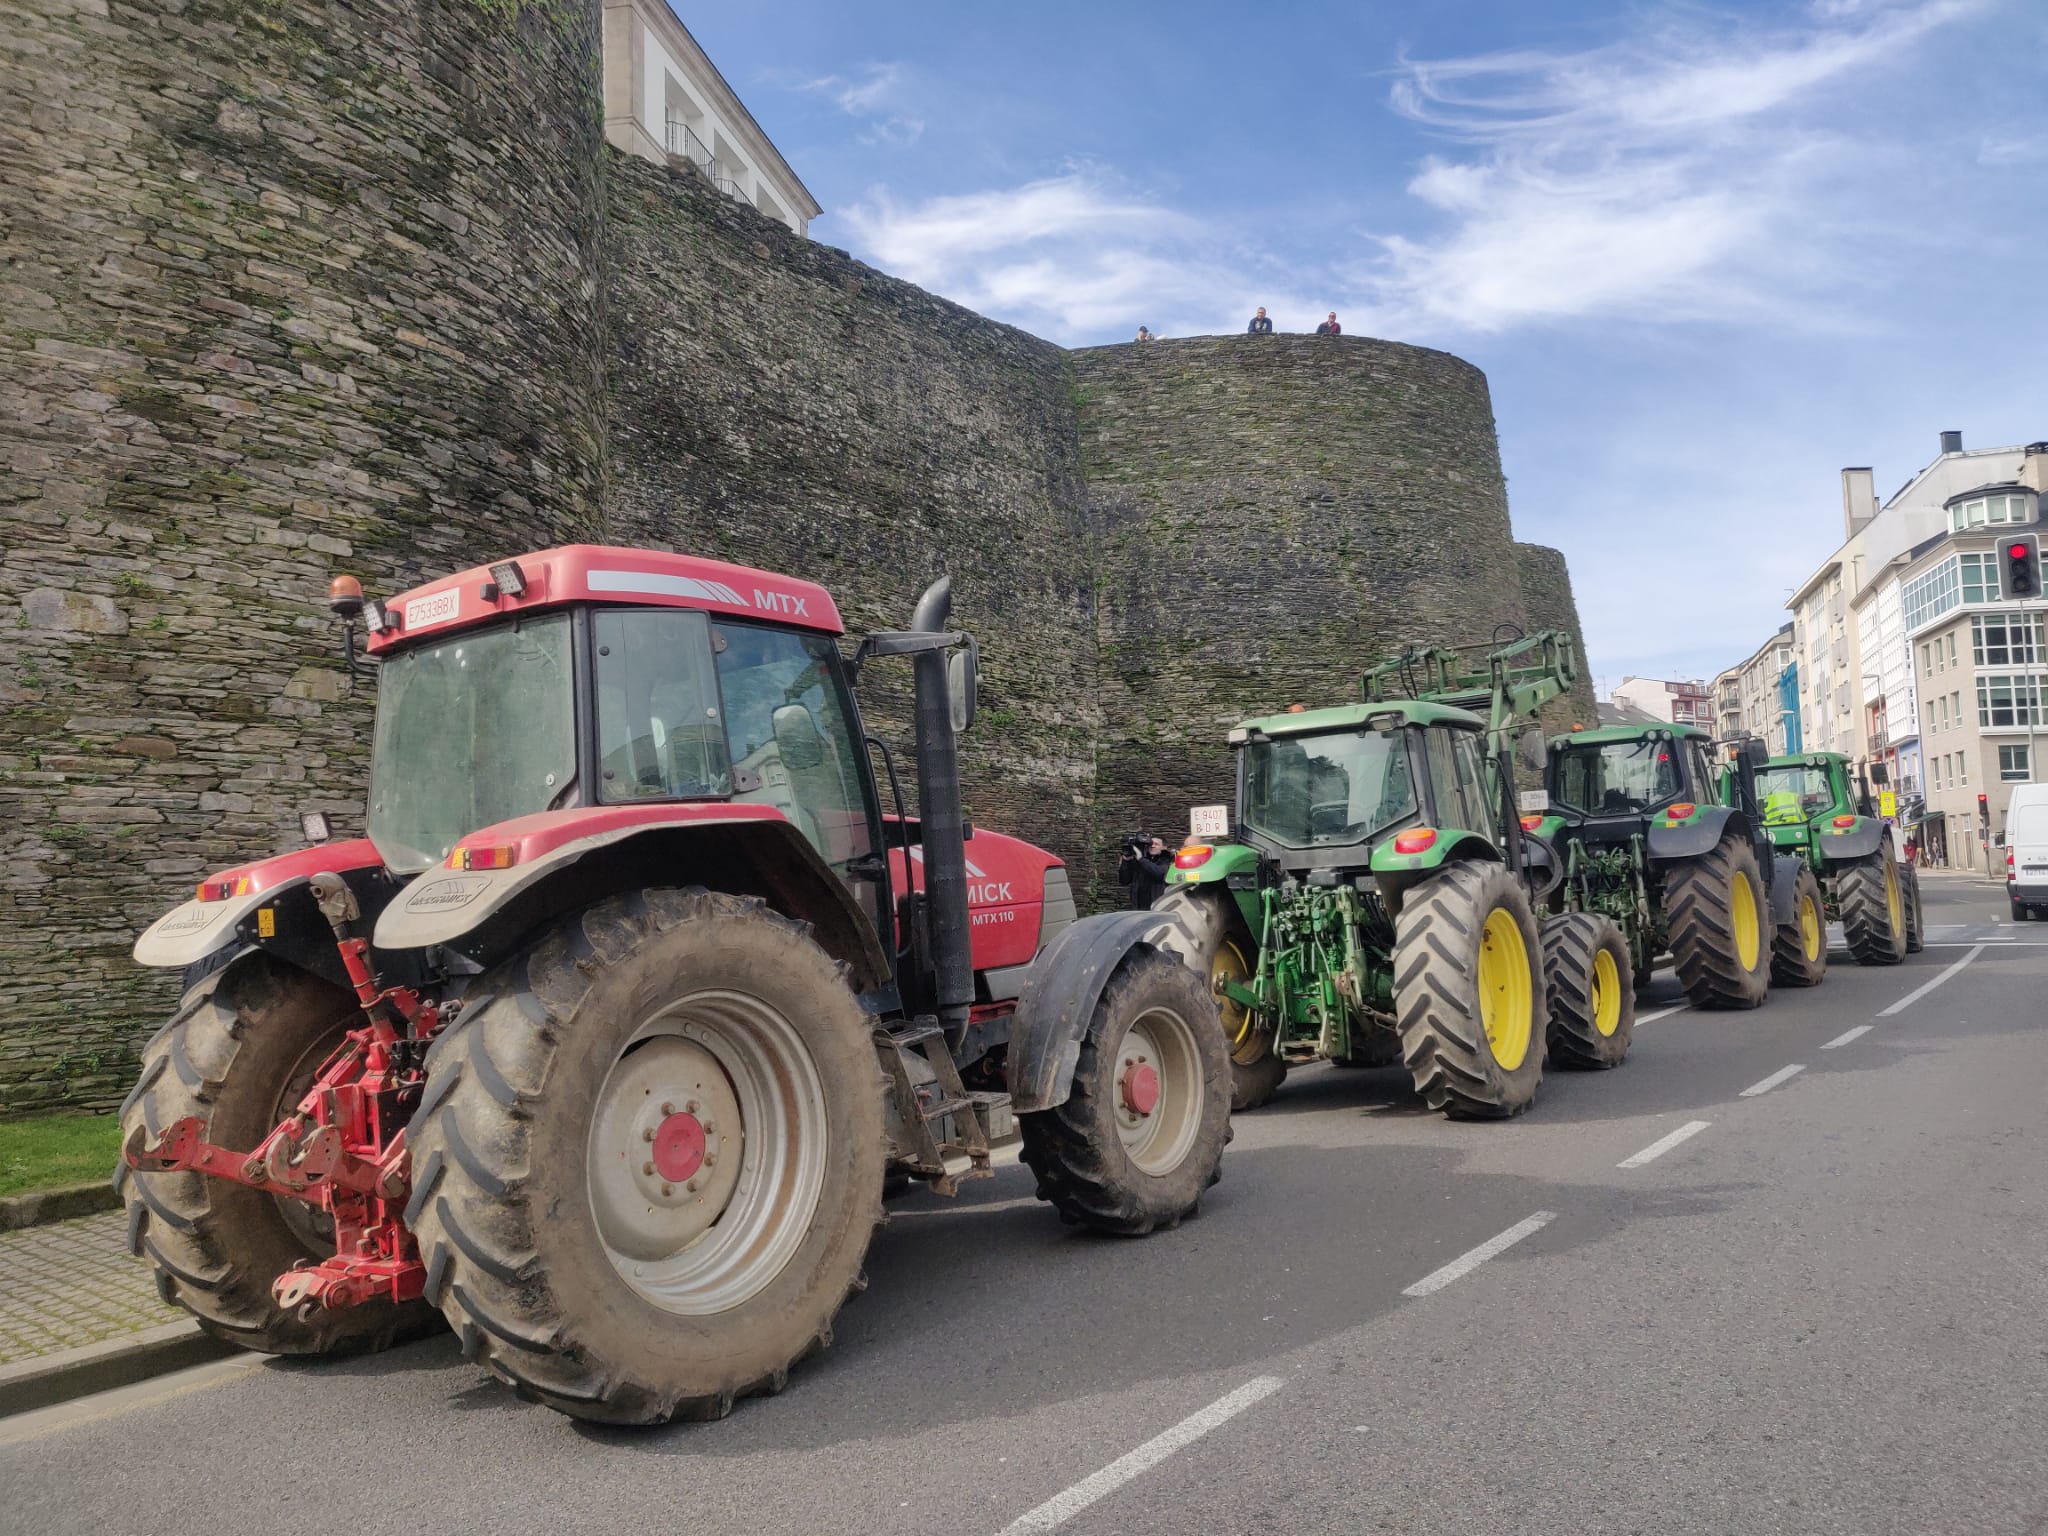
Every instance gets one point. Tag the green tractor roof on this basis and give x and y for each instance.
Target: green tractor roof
(1611, 733)
(1341, 717)
(1801, 759)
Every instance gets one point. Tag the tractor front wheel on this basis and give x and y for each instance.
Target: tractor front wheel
(1720, 946)
(1592, 1009)
(1219, 950)
(649, 1158)
(1143, 1129)
(1468, 991)
(1799, 949)
(240, 1053)
(1873, 903)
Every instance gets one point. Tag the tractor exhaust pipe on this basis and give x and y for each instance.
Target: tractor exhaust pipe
(940, 815)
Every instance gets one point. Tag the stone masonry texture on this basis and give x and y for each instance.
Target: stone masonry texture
(289, 288)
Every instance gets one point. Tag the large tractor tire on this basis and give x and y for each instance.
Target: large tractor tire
(1799, 949)
(241, 1051)
(1872, 899)
(1221, 949)
(649, 1158)
(1916, 939)
(1720, 945)
(1468, 991)
(1143, 1129)
(1592, 1005)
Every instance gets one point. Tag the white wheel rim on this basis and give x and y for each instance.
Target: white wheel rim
(1157, 1138)
(699, 1223)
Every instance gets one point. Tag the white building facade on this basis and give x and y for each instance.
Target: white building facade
(1748, 700)
(665, 101)
(1679, 702)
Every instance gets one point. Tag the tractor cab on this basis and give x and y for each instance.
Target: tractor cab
(1798, 792)
(1605, 785)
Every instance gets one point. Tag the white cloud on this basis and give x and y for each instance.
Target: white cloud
(875, 96)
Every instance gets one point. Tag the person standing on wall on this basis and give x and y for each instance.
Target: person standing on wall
(1143, 334)
(1142, 871)
(1260, 325)
(1330, 327)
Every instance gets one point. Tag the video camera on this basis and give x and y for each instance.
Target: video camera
(1136, 844)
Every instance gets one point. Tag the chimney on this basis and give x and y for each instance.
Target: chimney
(1951, 442)
(2034, 468)
(1859, 500)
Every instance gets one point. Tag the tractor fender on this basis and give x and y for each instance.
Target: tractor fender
(567, 860)
(1066, 983)
(1695, 836)
(1785, 869)
(1841, 845)
(1397, 872)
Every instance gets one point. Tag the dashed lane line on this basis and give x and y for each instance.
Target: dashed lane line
(1663, 1144)
(1846, 1036)
(1661, 1013)
(1782, 1075)
(1493, 1247)
(1919, 992)
(1062, 1507)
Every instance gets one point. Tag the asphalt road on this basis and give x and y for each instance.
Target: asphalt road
(1824, 1309)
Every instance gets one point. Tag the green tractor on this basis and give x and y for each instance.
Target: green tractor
(1371, 897)
(1652, 833)
(1813, 810)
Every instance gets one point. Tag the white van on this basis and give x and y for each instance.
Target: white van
(2026, 851)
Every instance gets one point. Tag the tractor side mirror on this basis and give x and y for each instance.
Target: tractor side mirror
(1878, 775)
(1532, 753)
(963, 678)
(797, 738)
(1756, 752)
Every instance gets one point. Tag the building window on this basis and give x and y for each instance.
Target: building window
(2009, 699)
(1980, 584)
(2008, 640)
(1934, 768)
(2012, 764)
(1987, 510)
(1929, 596)
(1963, 769)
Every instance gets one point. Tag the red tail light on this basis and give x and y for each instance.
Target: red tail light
(1681, 809)
(1845, 821)
(1421, 840)
(1194, 856)
(221, 887)
(497, 856)
(1531, 823)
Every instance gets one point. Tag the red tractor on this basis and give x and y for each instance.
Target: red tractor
(605, 1039)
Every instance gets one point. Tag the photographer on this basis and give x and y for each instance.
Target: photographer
(1142, 869)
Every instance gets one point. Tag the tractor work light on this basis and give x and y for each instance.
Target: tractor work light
(509, 580)
(221, 887)
(1421, 840)
(489, 856)
(376, 618)
(1194, 856)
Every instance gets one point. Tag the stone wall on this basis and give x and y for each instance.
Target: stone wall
(776, 403)
(1547, 604)
(288, 287)
(296, 286)
(1276, 513)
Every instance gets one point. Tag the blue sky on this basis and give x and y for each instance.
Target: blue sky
(1706, 254)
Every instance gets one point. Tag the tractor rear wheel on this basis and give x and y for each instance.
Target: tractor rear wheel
(649, 1158)
(1915, 940)
(1592, 1008)
(1143, 1129)
(1873, 903)
(1799, 949)
(241, 1051)
(1719, 945)
(1222, 950)
(1468, 991)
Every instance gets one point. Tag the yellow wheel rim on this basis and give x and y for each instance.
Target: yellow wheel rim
(1809, 927)
(1892, 899)
(1247, 1044)
(1606, 994)
(1749, 933)
(1506, 999)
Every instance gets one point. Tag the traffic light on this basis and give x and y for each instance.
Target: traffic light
(2020, 564)
(1984, 812)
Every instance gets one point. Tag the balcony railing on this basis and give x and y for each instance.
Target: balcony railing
(683, 141)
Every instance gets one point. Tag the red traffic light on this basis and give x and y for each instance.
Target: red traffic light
(2017, 551)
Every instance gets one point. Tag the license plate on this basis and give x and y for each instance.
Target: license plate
(1209, 821)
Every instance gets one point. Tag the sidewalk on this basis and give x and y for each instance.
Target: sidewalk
(72, 1283)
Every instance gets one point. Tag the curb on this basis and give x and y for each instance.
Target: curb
(46, 1205)
(73, 1373)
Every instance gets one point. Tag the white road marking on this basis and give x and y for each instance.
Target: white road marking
(1782, 1075)
(1661, 1013)
(1062, 1507)
(1663, 1144)
(1491, 1248)
(1846, 1036)
(1919, 992)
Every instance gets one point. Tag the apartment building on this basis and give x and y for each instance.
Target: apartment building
(1680, 702)
(1759, 696)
